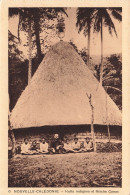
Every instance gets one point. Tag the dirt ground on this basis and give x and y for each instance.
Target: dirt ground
(66, 170)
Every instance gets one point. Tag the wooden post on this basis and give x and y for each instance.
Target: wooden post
(92, 121)
(108, 129)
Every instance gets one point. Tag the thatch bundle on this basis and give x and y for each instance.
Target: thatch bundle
(56, 94)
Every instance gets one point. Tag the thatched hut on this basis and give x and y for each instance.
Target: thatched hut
(56, 100)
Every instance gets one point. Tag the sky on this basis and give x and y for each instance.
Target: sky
(111, 45)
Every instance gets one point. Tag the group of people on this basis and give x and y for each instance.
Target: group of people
(56, 146)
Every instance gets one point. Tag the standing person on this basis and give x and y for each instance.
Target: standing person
(43, 146)
(76, 145)
(88, 145)
(56, 145)
(67, 146)
(25, 147)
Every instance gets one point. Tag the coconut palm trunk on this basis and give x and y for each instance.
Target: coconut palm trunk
(30, 53)
(88, 57)
(18, 27)
(37, 33)
(101, 67)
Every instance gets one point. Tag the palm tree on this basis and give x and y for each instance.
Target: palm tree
(84, 22)
(30, 21)
(37, 17)
(96, 18)
(25, 22)
(103, 16)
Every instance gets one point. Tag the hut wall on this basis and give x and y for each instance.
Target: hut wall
(66, 132)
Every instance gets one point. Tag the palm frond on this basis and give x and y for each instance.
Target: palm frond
(107, 78)
(116, 15)
(13, 12)
(97, 20)
(62, 10)
(114, 88)
(112, 72)
(108, 22)
(118, 9)
(84, 19)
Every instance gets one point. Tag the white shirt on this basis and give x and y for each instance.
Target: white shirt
(75, 145)
(67, 146)
(25, 148)
(87, 145)
(44, 147)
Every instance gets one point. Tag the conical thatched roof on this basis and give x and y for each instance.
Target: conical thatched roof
(56, 94)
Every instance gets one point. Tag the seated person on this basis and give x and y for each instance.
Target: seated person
(34, 148)
(18, 149)
(56, 145)
(43, 146)
(25, 147)
(67, 146)
(88, 145)
(76, 145)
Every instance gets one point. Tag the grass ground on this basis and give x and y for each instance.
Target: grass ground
(66, 170)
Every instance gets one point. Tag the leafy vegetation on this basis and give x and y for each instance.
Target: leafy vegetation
(112, 77)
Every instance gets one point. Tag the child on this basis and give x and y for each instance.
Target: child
(25, 147)
(76, 145)
(34, 148)
(88, 145)
(67, 146)
(44, 146)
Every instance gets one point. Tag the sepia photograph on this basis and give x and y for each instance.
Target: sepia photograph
(65, 97)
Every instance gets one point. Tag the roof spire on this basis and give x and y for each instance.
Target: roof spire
(60, 27)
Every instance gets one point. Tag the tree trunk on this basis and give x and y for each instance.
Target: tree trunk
(12, 137)
(18, 28)
(88, 57)
(92, 122)
(11, 133)
(101, 67)
(30, 53)
(37, 33)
